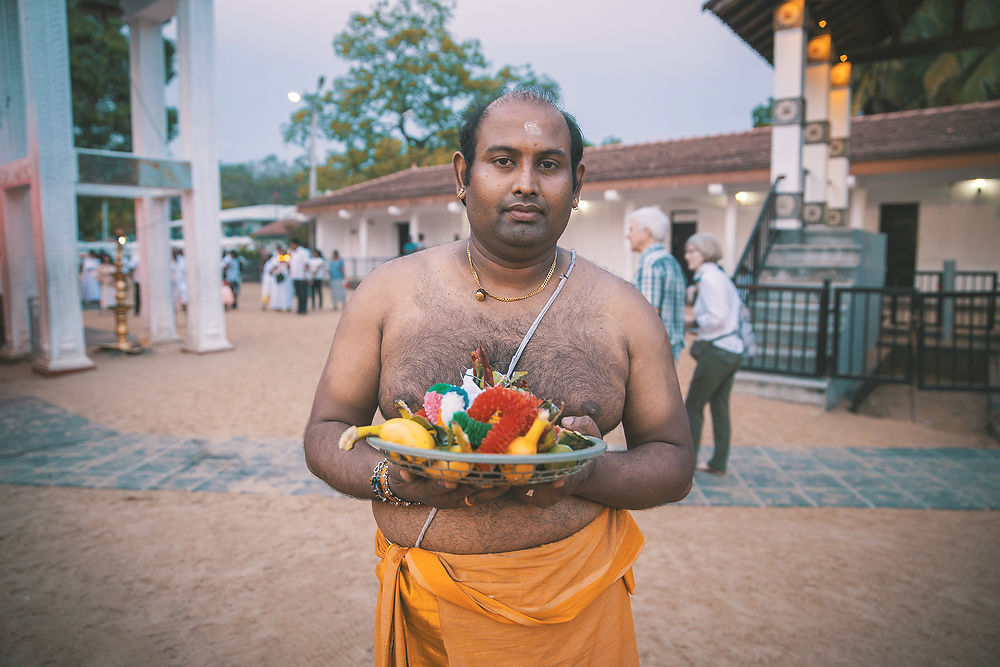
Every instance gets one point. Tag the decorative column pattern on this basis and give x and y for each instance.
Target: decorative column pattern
(206, 325)
(45, 56)
(838, 165)
(788, 112)
(817, 129)
(152, 223)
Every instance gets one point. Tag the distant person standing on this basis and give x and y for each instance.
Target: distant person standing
(232, 273)
(659, 277)
(410, 246)
(316, 266)
(421, 243)
(718, 350)
(338, 293)
(90, 286)
(298, 271)
(178, 278)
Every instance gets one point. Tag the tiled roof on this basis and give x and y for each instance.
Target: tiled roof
(957, 130)
(276, 228)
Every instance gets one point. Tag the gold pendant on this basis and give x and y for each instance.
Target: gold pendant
(480, 294)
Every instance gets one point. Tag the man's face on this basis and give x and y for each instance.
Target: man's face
(520, 189)
(638, 236)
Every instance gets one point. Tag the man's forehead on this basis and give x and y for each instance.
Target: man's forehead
(509, 119)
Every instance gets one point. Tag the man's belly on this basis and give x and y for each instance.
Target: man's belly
(495, 526)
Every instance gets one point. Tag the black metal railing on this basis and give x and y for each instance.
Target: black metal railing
(762, 238)
(965, 281)
(792, 327)
(872, 333)
(957, 346)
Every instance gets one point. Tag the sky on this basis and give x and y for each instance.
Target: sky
(640, 70)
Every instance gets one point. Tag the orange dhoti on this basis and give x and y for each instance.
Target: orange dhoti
(565, 603)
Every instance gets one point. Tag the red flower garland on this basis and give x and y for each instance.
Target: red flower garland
(516, 410)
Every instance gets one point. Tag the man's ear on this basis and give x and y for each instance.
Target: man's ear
(580, 169)
(459, 166)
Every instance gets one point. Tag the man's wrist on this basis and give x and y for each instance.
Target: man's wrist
(380, 485)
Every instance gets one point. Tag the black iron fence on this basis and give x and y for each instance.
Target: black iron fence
(791, 325)
(965, 281)
(762, 238)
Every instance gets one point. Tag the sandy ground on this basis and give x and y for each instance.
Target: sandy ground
(93, 577)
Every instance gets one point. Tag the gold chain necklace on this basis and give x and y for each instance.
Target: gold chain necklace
(482, 292)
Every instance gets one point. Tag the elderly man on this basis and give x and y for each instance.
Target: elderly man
(659, 276)
(507, 574)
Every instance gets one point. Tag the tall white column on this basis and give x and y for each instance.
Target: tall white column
(414, 226)
(363, 226)
(206, 325)
(839, 163)
(859, 203)
(17, 272)
(45, 55)
(730, 253)
(816, 130)
(149, 139)
(788, 113)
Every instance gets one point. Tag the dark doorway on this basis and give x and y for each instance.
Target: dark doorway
(683, 225)
(899, 224)
(403, 234)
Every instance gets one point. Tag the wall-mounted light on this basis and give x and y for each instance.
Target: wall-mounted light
(822, 23)
(394, 210)
(454, 207)
(344, 214)
(978, 184)
(741, 197)
(716, 189)
(612, 195)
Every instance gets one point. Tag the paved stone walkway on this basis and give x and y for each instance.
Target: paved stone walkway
(43, 445)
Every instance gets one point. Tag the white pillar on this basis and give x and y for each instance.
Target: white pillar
(206, 325)
(729, 251)
(149, 137)
(859, 202)
(631, 259)
(45, 58)
(363, 225)
(788, 113)
(414, 226)
(17, 272)
(839, 163)
(816, 130)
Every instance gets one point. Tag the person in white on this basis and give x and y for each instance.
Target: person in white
(281, 287)
(178, 278)
(106, 276)
(298, 270)
(90, 288)
(719, 348)
(317, 271)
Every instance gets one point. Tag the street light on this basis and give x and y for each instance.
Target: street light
(313, 108)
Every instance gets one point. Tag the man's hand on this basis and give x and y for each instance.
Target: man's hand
(546, 495)
(439, 493)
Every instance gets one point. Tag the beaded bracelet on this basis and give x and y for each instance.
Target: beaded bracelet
(380, 485)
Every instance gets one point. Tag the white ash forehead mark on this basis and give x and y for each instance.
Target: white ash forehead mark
(531, 127)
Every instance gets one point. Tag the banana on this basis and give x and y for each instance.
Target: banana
(399, 430)
(525, 445)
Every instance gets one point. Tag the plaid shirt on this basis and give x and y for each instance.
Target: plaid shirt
(661, 280)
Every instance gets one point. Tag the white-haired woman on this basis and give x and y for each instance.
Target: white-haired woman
(718, 348)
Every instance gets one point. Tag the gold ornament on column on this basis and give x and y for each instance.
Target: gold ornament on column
(840, 74)
(819, 48)
(789, 15)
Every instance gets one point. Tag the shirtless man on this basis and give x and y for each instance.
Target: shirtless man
(601, 349)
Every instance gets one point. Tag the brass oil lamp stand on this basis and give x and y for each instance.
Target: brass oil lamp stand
(122, 343)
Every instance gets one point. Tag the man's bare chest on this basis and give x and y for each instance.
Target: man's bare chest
(571, 357)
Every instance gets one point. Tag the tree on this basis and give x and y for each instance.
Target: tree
(953, 77)
(99, 80)
(409, 82)
(267, 181)
(761, 114)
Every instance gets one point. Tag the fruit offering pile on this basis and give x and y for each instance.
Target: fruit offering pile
(498, 418)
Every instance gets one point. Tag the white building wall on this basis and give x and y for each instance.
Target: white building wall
(954, 222)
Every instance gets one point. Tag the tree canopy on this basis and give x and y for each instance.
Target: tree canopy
(401, 101)
(267, 181)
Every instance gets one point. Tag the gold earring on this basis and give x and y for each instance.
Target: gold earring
(576, 203)
(461, 192)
